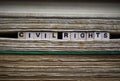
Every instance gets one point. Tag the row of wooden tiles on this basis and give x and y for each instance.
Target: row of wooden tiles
(71, 36)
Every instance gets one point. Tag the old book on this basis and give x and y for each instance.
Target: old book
(59, 27)
(64, 26)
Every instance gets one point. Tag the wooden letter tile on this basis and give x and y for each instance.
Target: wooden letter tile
(82, 36)
(105, 36)
(66, 36)
(45, 35)
(98, 36)
(74, 36)
(90, 36)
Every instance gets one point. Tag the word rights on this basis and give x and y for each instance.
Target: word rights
(71, 36)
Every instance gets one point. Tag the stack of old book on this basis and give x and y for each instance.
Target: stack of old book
(59, 27)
